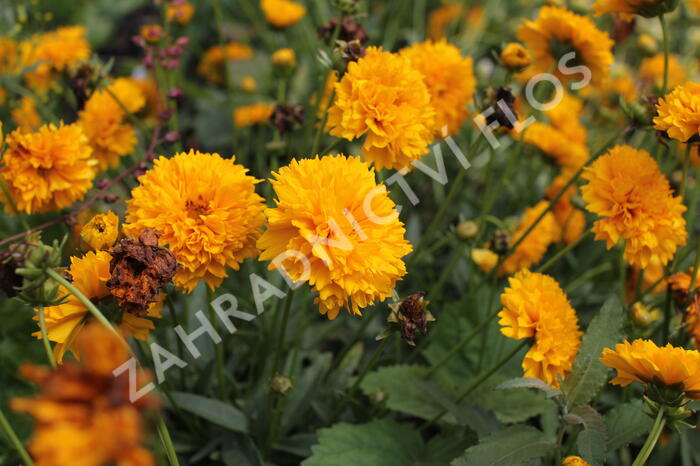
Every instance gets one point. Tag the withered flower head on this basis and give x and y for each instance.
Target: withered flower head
(286, 117)
(9, 280)
(350, 30)
(493, 97)
(352, 51)
(139, 269)
(411, 314)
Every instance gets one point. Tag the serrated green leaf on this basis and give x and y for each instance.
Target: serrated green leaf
(592, 442)
(511, 446)
(588, 374)
(527, 382)
(215, 411)
(626, 423)
(513, 405)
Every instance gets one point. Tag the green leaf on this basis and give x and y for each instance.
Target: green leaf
(588, 374)
(217, 412)
(527, 382)
(592, 442)
(513, 405)
(626, 423)
(379, 442)
(511, 446)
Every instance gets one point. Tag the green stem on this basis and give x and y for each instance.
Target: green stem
(366, 319)
(322, 124)
(45, 338)
(14, 440)
(228, 79)
(651, 440)
(664, 29)
(167, 442)
(83, 299)
(563, 252)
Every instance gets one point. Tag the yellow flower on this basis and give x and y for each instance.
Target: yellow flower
(9, 56)
(486, 259)
(642, 315)
(679, 283)
(534, 306)
(532, 249)
(102, 119)
(574, 461)
(571, 221)
(565, 117)
(628, 8)
(441, 17)
(644, 362)
(634, 198)
(47, 170)
(449, 78)
(51, 53)
(383, 97)
(515, 57)
(282, 13)
(207, 210)
(101, 231)
(180, 11)
(349, 233)
(568, 153)
(254, 114)
(66, 321)
(557, 31)
(652, 71)
(248, 84)
(679, 113)
(284, 58)
(151, 32)
(26, 116)
(211, 67)
(83, 414)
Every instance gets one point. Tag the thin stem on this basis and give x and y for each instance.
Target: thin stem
(322, 124)
(664, 29)
(651, 440)
(283, 331)
(228, 79)
(45, 338)
(14, 440)
(563, 252)
(83, 299)
(351, 342)
(167, 442)
(13, 206)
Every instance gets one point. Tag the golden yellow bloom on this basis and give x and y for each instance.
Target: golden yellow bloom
(642, 315)
(486, 259)
(556, 144)
(83, 413)
(151, 32)
(628, 8)
(51, 53)
(534, 306)
(634, 198)
(532, 249)
(102, 119)
(449, 78)
(679, 113)
(349, 234)
(680, 283)
(282, 13)
(9, 56)
(571, 221)
(574, 461)
(652, 281)
(248, 84)
(26, 116)
(441, 17)
(101, 231)
(180, 12)
(652, 71)
(47, 170)
(149, 90)
(254, 114)
(644, 362)
(515, 57)
(207, 210)
(383, 97)
(284, 58)
(557, 31)
(211, 67)
(565, 117)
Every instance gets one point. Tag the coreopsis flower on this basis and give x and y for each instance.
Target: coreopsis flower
(26, 116)
(532, 249)
(566, 118)
(101, 231)
(9, 56)
(571, 221)
(51, 53)
(574, 461)
(636, 202)
(83, 413)
(679, 284)
(441, 17)
(179, 11)
(282, 13)
(248, 84)
(383, 97)
(103, 121)
(668, 367)
(207, 211)
(66, 321)
(515, 57)
(567, 153)
(254, 114)
(486, 259)
(47, 170)
(652, 71)
(679, 113)
(628, 8)
(558, 31)
(350, 235)
(652, 280)
(535, 306)
(449, 78)
(211, 67)
(642, 315)
(285, 58)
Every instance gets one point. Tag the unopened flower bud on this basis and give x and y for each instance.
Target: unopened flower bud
(175, 93)
(284, 58)
(515, 57)
(281, 384)
(166, 114)
(171, 137)
(467, 229)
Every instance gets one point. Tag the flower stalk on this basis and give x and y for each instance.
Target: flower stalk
(652, 438)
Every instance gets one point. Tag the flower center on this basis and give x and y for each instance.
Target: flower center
(197, 208)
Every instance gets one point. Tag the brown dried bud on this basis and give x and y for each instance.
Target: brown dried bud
(9, 280)
(139, 269)
(82, 84)
(622, 28)
(496, 99)
(286, 117)
(500, 242)
(352, 51)
(411, 314)
(349, 30)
